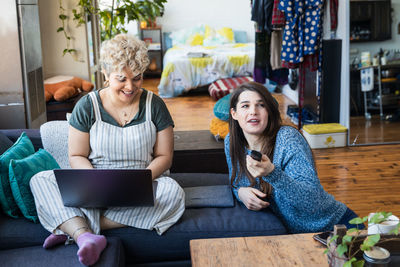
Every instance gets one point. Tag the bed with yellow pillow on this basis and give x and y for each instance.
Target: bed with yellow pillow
(202, 55)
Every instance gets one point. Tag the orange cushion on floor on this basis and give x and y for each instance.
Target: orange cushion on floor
(222, 87)
(219, 128)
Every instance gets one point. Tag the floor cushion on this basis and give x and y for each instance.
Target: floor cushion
(219, 128)
(221, 108)
(222, 87)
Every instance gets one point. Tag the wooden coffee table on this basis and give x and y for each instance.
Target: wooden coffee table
(282, 250)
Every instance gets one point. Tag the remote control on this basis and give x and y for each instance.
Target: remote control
(256, 155)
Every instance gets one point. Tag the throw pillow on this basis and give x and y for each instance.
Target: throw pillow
(22, 148)
(221, 108)
(21, 172)
(224, 35)
(219, 128)
(5, 143)
(222, 87)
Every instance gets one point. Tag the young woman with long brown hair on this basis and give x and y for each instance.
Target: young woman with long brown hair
(285, 179)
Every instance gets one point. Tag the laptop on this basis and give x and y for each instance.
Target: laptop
(101, 188)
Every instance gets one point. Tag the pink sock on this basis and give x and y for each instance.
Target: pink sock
(90, 247)
(53, 240)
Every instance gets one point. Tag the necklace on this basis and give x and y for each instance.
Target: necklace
(126, 117)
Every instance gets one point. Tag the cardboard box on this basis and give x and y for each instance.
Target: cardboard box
(325, 135)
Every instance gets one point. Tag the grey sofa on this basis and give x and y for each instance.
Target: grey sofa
(20, 239)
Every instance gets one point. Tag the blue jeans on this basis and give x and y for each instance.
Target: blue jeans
(348, 215)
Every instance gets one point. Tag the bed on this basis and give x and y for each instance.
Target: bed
(187, 67)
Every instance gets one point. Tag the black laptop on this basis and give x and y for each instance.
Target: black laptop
(101, 188)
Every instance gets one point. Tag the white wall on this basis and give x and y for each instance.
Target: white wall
(53, 43)
(235, 14)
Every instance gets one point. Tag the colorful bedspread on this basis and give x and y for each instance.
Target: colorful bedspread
(188, 67)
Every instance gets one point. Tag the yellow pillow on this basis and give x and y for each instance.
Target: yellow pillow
(227, 33)
(195, 39)
(209, 32)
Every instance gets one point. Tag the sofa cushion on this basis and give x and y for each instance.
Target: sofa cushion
(61, 256)
(196, 223)
(55, 140)
(146, 246)
(18, 233)
(20, 149)
(21, 172)
(5, 143)
(212, 196)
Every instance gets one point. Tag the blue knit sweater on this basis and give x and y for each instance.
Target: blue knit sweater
(298, 197)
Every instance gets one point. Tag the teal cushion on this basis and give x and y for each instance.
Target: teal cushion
(21, 172)
(22, 148)
(221, 108)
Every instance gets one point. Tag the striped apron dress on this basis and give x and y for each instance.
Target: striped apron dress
(114, 147)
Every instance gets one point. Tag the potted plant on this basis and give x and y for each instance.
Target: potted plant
(113, 19)
(346, 246)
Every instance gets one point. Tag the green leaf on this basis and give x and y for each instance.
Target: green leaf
(371, 240)
(60, 29)
(357, 220)
(359, 263)
(341, 249)
(65, 51)
(71, 50)
(351, 230)
(347, 238)
(348, 263)
(68, 38)
(62, 17)
(326, 251)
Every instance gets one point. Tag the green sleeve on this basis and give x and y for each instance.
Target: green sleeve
(82, 117)
(160, 115)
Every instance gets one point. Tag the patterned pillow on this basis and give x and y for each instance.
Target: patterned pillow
(21, 172)
(222, 87)
(22, 148)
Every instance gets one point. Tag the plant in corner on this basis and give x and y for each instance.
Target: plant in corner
(346, 248)
(113, 19)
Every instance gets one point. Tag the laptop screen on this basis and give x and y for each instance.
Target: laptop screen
(98, 188)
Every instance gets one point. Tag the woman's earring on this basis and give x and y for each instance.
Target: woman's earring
(106, 83)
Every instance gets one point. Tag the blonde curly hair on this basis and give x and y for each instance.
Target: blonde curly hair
(124, 51)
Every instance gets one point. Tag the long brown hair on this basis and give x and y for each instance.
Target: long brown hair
(238, 142)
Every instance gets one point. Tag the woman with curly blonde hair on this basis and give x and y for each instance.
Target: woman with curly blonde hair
(121, 126)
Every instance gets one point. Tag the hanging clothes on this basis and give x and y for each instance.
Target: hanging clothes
(261, 13)
(333, 10)
(278, 17)
(276, 47)
(261, 64)
(302, 30)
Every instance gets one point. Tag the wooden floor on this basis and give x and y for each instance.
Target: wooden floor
(366, 178)
(373, 131)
